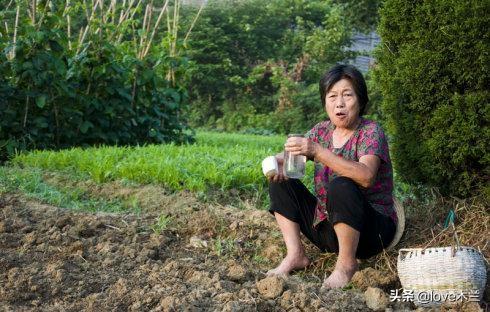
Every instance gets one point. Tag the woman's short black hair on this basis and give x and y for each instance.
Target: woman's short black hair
(339, 72)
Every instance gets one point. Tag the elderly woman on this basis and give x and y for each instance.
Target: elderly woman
(352, 213)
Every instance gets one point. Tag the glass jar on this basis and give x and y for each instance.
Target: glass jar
(294, 165)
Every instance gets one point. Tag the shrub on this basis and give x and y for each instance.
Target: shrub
(53, 95)
(433, 74)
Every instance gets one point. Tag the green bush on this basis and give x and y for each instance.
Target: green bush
(55, 96)
(433, 75)
(249, 54)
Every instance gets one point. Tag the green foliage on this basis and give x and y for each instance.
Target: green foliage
(256, 63)
(217, 163)
(57, 92)
(362, 14)
(433, 75)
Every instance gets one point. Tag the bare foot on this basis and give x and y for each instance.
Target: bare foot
(341, 275)
(290, 263)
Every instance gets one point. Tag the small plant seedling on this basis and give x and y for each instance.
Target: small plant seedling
(161, 225)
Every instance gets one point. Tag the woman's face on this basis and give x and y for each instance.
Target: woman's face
(342, 105)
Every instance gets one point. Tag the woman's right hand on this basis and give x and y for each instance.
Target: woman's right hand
(279, 176)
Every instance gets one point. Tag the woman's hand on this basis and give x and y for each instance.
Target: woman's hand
(302, 146)
(280, 176)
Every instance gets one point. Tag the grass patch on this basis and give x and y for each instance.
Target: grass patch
(217, 163)
(32, 185)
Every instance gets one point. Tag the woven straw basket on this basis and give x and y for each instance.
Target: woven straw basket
(438, 273)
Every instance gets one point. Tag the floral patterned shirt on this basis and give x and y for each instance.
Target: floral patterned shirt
(368, 139)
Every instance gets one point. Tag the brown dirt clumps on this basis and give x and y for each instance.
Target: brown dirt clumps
(55, 259)
(370, 277)
(271, 287)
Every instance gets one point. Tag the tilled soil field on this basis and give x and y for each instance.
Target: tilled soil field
(54, 259)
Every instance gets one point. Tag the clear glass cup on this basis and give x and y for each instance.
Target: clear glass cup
(294, 165)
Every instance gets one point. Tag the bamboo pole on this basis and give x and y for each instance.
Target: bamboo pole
(16, 26)
(113, 16)
(26, 110)
(85, 9)
(173, 48)
(164, 8)
(126, 17)
(29, 12)
(87, 28)
(135, 9)
(123, 7)
(169, 28)
(8, 5)
(105, 17)
(68, 22)
(143, 35)
(43, 16)
(193, 22)
(175, 27)
(80, 34)
(150, 16)
(126, 13)
(34, 6)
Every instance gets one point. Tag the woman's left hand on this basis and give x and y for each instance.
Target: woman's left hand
(302, 146)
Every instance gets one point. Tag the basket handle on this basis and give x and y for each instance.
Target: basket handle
(448, 222)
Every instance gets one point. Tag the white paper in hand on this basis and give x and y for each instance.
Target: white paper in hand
(269, 166)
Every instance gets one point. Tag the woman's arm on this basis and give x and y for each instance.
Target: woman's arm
(362, 172)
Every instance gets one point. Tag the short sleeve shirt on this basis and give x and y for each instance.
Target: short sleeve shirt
(368, 139)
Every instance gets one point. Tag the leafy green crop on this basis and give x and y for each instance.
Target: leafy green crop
(217, 162)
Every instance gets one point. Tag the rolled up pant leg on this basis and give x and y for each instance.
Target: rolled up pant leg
(346, 204)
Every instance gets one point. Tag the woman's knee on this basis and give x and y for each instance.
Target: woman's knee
(345, 201)
(342, 187)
